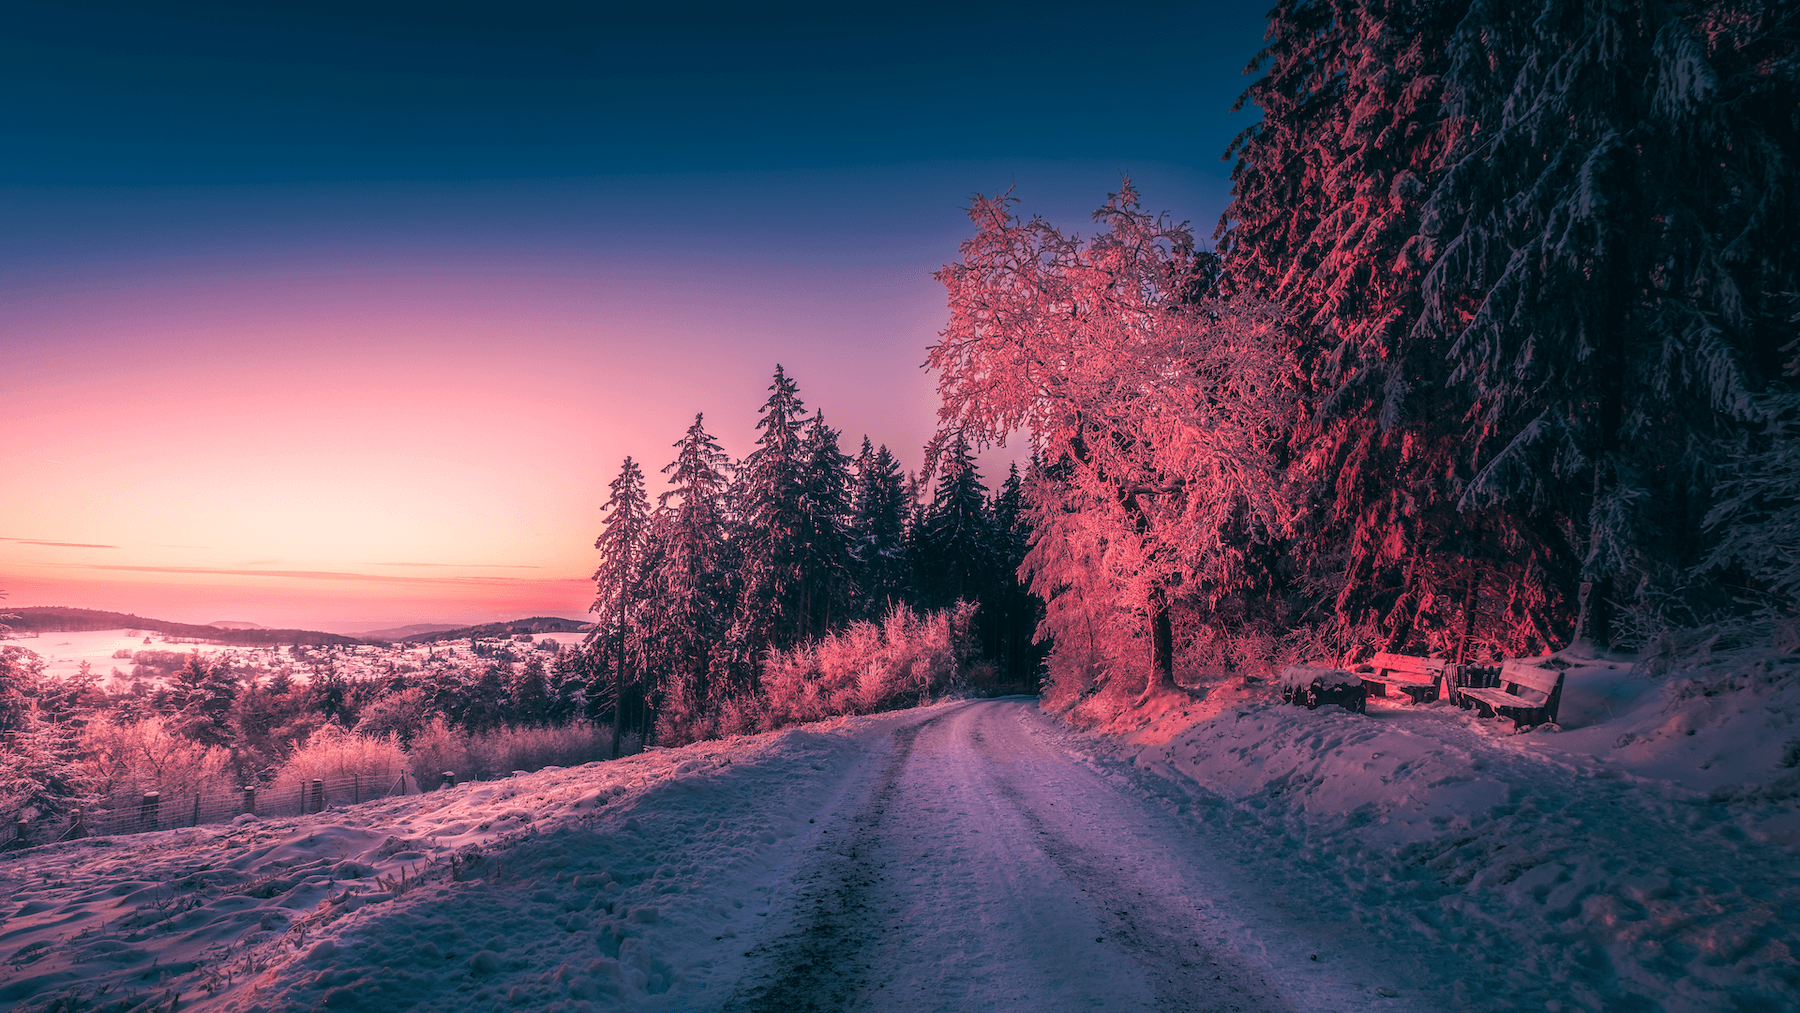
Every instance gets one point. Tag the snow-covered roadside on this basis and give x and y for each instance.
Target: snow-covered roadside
(617, 884)
(1558, 869)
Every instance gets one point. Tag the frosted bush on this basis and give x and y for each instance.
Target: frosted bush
(335, 754)
(124, 760)
(440, 747)
(904, 660)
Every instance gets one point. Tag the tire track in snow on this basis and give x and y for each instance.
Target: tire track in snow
(1181, 971)
(818, 967)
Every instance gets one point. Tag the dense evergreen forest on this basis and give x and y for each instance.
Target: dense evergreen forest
(744, 568)
(1494, 353)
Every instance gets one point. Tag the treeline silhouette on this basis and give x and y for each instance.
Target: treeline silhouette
(800, 548)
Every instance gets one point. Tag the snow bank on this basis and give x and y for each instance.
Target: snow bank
(619, 884)
(1637, 858)
(1300, 676)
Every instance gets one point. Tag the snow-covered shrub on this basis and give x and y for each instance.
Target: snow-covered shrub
(124, 760)
(740, 715)
(497, 753)
(333, 754)
(904, 660)
(440, 747)
(437, 748)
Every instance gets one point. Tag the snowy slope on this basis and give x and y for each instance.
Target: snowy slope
(1268, 857)
(1638, 858)
(611, 882)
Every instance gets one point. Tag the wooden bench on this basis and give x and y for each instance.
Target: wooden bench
(1417, 677)
(1520, 689)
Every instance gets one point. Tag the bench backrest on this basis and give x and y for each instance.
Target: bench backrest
(1385, 662)
(1522, 672)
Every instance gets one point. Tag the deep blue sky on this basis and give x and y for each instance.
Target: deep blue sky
(817, 131)
(440, 266)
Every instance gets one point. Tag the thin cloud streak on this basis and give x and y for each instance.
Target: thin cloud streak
(322, 575)
(468, 566)
(62, 545)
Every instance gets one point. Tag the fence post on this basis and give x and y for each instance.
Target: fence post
(250, 799)
(302, 791)
(355, 788)
(318, 799)
(20, 828)
(449, 780)
(196, 821)
(147, 810)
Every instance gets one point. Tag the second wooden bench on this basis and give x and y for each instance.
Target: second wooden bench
(1419, 678)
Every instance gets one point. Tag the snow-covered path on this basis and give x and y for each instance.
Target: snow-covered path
(988, 868)
(970, 855)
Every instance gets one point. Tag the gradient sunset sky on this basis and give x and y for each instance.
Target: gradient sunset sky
(343, 316)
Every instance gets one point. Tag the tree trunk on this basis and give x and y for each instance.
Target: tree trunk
(1470, 599)
(1593, 621)
(1162, 645)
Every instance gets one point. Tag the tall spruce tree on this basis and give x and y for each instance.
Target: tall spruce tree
(1614, 262)
(1329, 189)
(878, 532)
(694, 586)
(616, 604)
(769, 495)
(957, 557)
(826, 583)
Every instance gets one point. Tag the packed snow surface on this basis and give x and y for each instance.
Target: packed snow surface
(979, 854)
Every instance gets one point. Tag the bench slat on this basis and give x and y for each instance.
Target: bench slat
(1402, 678)
(1501, 698)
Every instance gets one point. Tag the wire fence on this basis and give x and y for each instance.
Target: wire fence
(134, 812)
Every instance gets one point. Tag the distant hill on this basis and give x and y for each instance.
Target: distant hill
(536, 624)
(60, 619)
(406, 632)
(231, 624)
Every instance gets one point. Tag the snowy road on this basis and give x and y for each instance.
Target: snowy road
(985, 867)
(964, 856)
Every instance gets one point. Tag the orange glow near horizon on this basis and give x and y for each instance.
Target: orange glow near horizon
(316, 450)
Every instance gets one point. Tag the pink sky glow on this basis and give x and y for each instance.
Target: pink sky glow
(369, 447)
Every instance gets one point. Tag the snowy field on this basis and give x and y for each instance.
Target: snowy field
(63, 653)
(981, 855)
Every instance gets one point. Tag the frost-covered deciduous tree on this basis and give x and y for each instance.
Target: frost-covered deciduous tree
(1158, 410)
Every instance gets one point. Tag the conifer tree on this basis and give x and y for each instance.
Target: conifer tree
(693, 600)
(878, 531)
(621, 544)
(1010, 613)
(826, 585)
(204, 691)
(773, 529)
(529, 693)
(1329, 188)
(956, 544)
(1614, 264)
